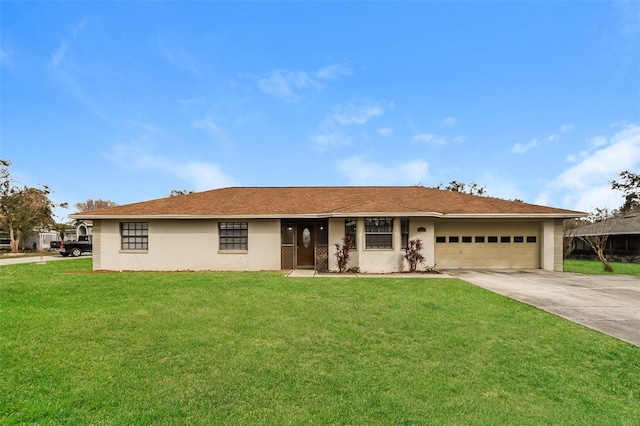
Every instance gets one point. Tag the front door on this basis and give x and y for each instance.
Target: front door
(305, 246)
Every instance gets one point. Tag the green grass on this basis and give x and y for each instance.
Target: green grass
(78, 347)
(596, 267)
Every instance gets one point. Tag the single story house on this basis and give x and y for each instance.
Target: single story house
(623, 237)
(283, 228)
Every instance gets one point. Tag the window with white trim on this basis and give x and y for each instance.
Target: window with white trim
(378, 233)
(134, 235)
(233, 235)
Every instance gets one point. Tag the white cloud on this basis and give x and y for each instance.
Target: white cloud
(200, 175)
(331, 132)
(290, 85)
(6, 57)
(520, 148)
(206, 123)
(449, 121)
(59, 55)
(287, 85)
(566, 128)
(354, 113)
(586, 184)
(359, 171)
(430, 138)
(329, 139)
(433, 139)
(179, 56)
(385, 131)
(332, 72)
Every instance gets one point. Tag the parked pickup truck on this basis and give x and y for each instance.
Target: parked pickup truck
(73, 248)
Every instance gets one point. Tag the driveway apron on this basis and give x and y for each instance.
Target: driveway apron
(607, 303)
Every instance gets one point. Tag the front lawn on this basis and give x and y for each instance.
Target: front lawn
(596, 267)
(78, 347)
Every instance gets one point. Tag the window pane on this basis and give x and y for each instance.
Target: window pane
(233, 235)
(350, 230)
(441, 239)
(404, 230)
(466, 239)
(492, 239)
(286, 232)
(134, 235)
(479, 239)
(531, 239)
(454, 239)
(505, 239)
(381, 241)
(518, 239)
(378, 225)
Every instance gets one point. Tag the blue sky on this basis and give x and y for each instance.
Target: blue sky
(127, 101)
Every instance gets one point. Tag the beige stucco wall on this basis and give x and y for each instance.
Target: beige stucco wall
(558, 249)
(97, 245)
(382, 260)
(428, 239)
(193, 245)
(547, 252)
(336, 234)
(190, 245)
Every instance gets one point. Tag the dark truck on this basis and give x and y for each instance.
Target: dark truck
(73, 248)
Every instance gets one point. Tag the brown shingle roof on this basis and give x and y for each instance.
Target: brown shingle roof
(325, 201)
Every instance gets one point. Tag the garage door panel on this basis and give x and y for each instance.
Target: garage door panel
(512, 254)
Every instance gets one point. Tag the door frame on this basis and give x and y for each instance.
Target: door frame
(315, 225)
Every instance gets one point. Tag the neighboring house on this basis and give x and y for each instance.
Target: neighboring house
(79, 230)
(250, 229)
(84, 229)
(40, 241)
(623, 237)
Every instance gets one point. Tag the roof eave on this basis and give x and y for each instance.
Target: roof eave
(255, 216)
(568, 215)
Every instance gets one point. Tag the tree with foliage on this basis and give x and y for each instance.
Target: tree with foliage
(60, 228)
(412, 254)
(630, 187)
(472, 188)
(176, 192)
(92, 204)
(343, 253)
(23, 209)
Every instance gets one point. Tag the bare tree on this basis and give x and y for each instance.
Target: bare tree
(596, 234)
(92, 204)
(571, 228)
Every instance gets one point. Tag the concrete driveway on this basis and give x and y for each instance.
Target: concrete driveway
(607, 303)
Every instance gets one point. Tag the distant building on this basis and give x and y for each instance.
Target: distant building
(623, 237)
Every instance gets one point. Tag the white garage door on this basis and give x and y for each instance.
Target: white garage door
(487, 245)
